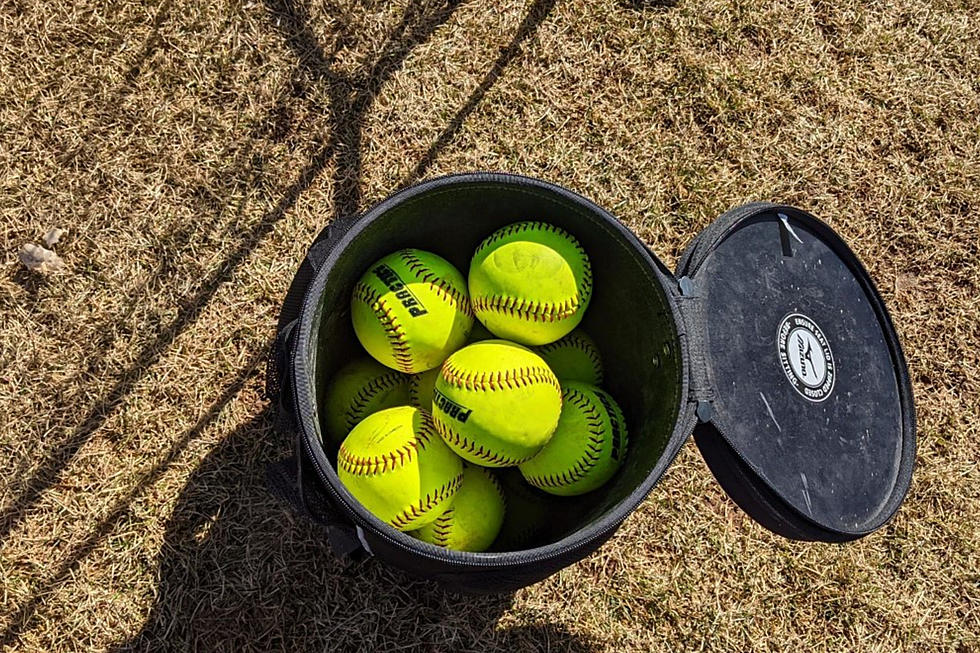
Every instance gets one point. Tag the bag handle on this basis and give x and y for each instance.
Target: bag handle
(290, 480)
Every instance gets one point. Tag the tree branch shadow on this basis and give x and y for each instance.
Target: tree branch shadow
(199, 559)
(342, 146)
(536, 15)
(21, 620)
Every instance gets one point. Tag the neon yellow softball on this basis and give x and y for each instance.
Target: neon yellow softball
(530, 282)
(587, 448)
(573, 358)
(411, 310)
(397, 466)
(360, 388)
(496, 403)
(473, 521)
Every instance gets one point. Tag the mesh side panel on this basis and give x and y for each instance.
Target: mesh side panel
(273, 374)
(281, 479)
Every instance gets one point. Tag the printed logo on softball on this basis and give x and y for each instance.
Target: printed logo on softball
(458, 412)
(390, 278)
(806, 357)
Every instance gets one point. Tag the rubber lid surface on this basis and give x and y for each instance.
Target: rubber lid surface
(809, 384)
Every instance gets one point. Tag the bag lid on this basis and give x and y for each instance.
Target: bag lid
(802, 388)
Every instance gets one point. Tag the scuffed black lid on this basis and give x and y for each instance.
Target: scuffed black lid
(809, 421)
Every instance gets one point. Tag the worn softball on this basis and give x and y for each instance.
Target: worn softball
(573, 358)
(496, 403)
(360, 388)
(530, 282)
(587, 448)
(397, 466)
(473, 520)
(411, 309)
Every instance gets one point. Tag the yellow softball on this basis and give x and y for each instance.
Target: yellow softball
(360, 388)
(472, 522)
(411, 309)
(573, 358)
(587, 448)
(530, 513)
(397, 466)
(420, 385)
(496, 403)
(530, 282)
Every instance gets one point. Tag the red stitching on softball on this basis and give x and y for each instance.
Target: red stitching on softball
(498, 487)
(400, 349)
(426, 503)
(537, 311)
(441, 287)
(523, 308)
(519, 227)
(381, 463)
(618, 422)
(521, 377)
(441, 528)
(414, 383)
(354, 414)
(593, 448)
(461, 442)
(575, 341)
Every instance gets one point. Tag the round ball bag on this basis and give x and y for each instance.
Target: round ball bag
(770, 344)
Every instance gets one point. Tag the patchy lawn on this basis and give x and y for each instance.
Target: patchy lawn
(193, 150)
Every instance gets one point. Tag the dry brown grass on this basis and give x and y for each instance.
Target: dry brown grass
(194, 149)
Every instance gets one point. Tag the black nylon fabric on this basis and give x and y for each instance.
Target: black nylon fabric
(692, 312)
(469, 580)
(292, 480)
(285, 481)
(751, 493)
(700, 246)
(292, 304)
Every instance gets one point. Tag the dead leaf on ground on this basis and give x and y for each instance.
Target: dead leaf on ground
(54, 236)
(40, 259)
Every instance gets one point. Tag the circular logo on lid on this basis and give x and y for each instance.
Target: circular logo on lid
(805, 357)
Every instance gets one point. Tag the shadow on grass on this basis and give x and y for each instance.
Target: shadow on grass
(532, 21)
(342, 144)
(351, 98)
(32, 282)
(192, 566)
(237, 572)
(22, 618)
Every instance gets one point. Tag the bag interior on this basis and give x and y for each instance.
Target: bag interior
(629, 317)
